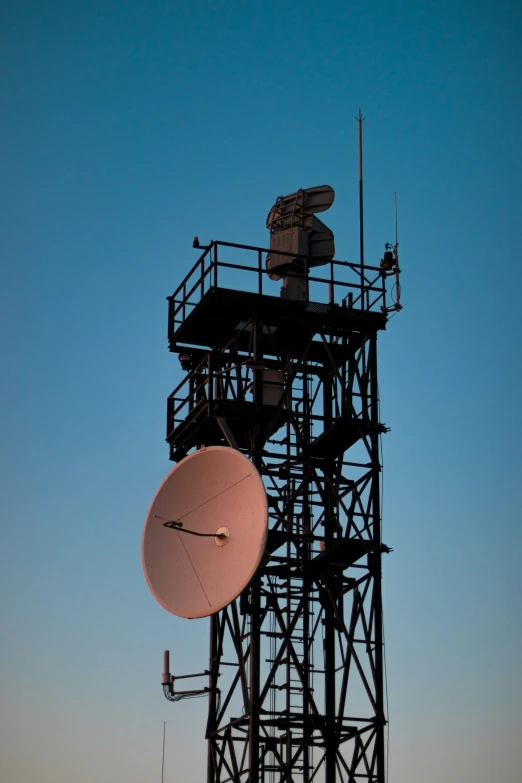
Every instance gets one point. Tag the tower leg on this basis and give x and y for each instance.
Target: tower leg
(376, 563)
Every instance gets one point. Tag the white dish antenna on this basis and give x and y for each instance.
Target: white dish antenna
(205, 532)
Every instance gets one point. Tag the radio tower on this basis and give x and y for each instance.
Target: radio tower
(289, 378)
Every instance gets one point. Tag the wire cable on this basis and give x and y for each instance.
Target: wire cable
(192, 564)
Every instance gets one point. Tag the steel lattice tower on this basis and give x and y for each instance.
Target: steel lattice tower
(296, 676)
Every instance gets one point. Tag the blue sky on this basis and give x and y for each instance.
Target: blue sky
(130, 127)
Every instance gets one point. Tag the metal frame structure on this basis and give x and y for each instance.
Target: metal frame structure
(296, 672)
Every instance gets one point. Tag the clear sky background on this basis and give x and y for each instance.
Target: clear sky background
(130, 127)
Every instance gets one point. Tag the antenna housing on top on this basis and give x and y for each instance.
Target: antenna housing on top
(295, 229)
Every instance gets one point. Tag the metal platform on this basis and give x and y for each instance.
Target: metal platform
(202, 426)
(287, 324)
(341, 436)
(207, 308)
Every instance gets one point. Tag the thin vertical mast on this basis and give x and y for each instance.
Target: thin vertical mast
(396, 224)
(163, 755)
(360, 119)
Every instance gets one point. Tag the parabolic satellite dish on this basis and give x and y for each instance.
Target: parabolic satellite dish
(205, 532)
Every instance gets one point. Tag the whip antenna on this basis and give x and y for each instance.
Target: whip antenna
(360, 119)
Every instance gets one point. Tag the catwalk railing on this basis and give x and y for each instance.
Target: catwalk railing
(243, 268)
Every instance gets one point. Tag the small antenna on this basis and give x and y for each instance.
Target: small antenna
(163, 756)
(396, 224)
(360, 119)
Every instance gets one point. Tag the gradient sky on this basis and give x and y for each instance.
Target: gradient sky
(130, 127)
